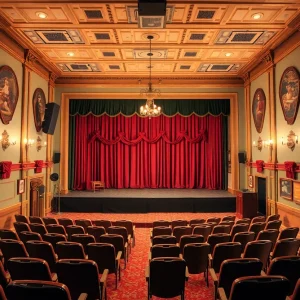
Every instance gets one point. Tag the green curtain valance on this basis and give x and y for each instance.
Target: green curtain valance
(131, 107)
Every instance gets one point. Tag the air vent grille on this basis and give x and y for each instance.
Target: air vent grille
(197, 36)
(205, 14)
(243, 37)
(93, 14)
(114, 67)
(190, 54)
(109, 54)
(220, 67)
(185, 67)
(102, 36)
(79, 67)
(55, 36)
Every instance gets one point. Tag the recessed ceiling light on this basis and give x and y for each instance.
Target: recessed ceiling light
(70, 54)
(41, 15)
(257, 16)
(228, 54)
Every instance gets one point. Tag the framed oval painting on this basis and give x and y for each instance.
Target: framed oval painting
(9, 93)
(39, 106)
(289, 94)
(259, 109)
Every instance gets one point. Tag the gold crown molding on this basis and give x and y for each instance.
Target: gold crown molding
(188, 18)
(110, 15)
(12, 48)
(29, 57)
(269, 57)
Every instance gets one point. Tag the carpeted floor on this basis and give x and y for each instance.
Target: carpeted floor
(133, 284)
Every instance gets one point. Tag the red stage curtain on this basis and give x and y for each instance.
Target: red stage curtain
(136, 152)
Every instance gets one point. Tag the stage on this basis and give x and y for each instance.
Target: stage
(148, 201)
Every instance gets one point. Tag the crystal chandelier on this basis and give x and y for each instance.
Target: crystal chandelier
(150, 109)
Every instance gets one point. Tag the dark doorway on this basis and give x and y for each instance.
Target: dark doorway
(261, 195)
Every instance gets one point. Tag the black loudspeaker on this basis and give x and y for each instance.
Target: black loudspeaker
(41, 189)
(242, 157)
(56, 157)
(51, 114)
(152, 7)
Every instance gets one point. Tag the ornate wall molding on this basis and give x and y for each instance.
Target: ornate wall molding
(273, 166)
(29, 166)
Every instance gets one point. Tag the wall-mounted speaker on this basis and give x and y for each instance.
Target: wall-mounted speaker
(152, 7)
(56, 157)
(51, 115)
(242, 157)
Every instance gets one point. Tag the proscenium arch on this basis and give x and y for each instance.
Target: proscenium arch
(64, 125)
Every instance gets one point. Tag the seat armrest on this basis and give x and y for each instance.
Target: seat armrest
(7, 277)
(187, 274)
(126, 245)
(83, 296)
(147, 273)
(54, 277)
(222, 294)
(104, 277)
(119, 255)
(149, 256)
(213, 275)
(210, 259)
(262, 273)
(129, 237)
(180, 256)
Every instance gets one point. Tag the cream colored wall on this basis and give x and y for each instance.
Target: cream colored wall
(8, 187)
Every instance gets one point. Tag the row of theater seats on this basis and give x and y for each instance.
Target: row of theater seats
(195, 248)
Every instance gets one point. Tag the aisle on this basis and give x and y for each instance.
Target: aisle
(133, 283)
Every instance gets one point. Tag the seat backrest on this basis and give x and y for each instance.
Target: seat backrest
(161, 230)
(69, 250)
(12, 248)
(243, 221)
(165, 250)
(260, 287)
(176, 223)
(96, 232)
(167, 277)
(164, 239)
(259, 249)
(85, 223)
(257, 227)
(227, 223)
(289, 232)
(104, 255)
(55, 228)
(217, 238)
(43, 250)
(296, 293)
(116, 240)
(80, 276)
(244, 238)
(196, 257)
(160, 223)
(190, 239)
(36, 220)
(259, 219)
(225, 251)
(29, 236)
(273, 218)
(118, 230)
(232, 269)
(287, 266)
(125, 223)
(214, 220)
(221, 229)
(286, 247)
(22, 219)
(228, 218)
(37, 289)
(65, 222)
(104, 223)
(39, 228)
(74, 229)
(48, 220)
(204, 230)
(21, 226)
(268, 234)
(28, 268)
(273, 224)
(196, 221)
(8, 234)
(83, 239)
(179, 231)
(4, 279)
(54, 238)
(238, 228)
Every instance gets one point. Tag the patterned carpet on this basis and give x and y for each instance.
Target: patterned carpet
(133, 283)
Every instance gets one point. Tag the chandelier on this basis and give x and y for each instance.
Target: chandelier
(150, 109)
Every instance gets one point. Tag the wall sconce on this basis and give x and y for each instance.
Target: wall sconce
(28, 143)
(259, 144)
(291, 141)
(5, 140)
(268, 144)
(39, 144)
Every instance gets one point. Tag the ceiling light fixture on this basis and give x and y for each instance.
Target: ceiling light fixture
(257, 16)
(228, 54)
(41, 15)
(150, 109)
(70, 54)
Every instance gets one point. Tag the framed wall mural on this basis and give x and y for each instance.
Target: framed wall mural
(39, 106)
(286, 188)
(296, 192)
(289, 94)
(9, 93)
(259, 109)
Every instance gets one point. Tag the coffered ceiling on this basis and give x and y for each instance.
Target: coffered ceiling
(101, 39)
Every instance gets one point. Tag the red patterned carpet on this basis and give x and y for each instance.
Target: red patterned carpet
(133, 283)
